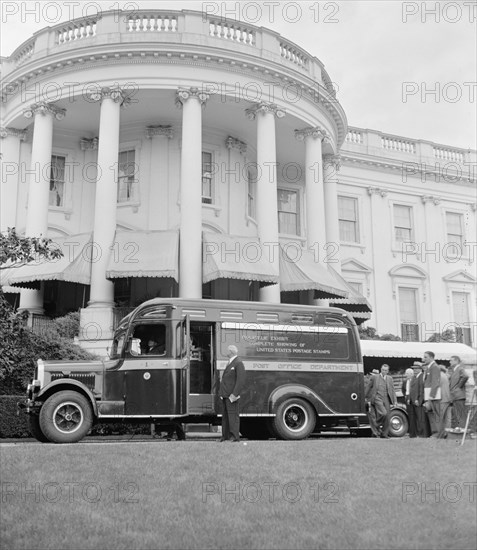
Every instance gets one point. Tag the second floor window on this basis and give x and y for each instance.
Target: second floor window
(57, 181)
(402, 223)
(288, 212)
(454, 229)
(207, 183)
(348, 219)
(127, 176)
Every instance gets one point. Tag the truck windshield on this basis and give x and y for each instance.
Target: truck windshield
(118, 343)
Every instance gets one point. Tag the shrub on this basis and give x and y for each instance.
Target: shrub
(20, 349)
(11, 423)
(68, 326)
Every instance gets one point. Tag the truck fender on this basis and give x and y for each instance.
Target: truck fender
(298, 390)
(69, 384)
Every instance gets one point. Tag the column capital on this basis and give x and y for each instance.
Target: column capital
(87, 144)
(377, 191)
(44, 108)
(6, 131)
(183, 94)
(473, 206)
(332, 160)
(116, 94)
(234, 143)
(159, 130)
(429, 198)
(316, 132)
(263, 108)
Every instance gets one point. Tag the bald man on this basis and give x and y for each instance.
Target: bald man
(230, 388)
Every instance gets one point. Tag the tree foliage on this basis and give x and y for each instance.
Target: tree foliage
(370, 333)
(16, 251)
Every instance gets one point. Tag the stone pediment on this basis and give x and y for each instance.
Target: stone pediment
(409, 271)
(460, 276)
(354, 265)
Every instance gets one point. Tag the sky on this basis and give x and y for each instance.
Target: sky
(402, 67)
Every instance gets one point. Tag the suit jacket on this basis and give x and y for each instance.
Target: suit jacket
(233, 379)
(457, 381)
(389, 388)
(433, 378)
(417, 389)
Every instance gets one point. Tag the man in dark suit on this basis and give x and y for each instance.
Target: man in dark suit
(416, 399)
(382, 396)
(432, 391)
(230, 388)
(457, 381)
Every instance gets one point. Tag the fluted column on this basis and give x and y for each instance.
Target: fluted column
(43, 115)
(102, 290)
(190, 255)
(158, 212)
(331, 165)
(11, 139)
(315, 200)
(266, 203)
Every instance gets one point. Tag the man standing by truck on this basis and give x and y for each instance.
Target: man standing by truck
(229, 392)
(457, 380)
(382, 396)
(432, 391)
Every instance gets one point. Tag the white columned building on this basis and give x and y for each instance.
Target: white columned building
(11, 140)
(267, 215)
(190, 251)
(43, 115)
(331, 166)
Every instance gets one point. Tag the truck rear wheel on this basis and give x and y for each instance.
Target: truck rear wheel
(295, 419)
(66, 417)
(398, 423)
(35, 430)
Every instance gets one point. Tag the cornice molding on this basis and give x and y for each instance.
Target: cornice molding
(43, 108)
(159, 130)
(262, 108)
(234, 143)
(14, 132)
(316, 132)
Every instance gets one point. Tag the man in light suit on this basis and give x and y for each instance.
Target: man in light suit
(230, 388)
(457, 381)
(432, 391)
(416, 398)
(382, 396)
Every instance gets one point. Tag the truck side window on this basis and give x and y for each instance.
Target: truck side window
(150, 339)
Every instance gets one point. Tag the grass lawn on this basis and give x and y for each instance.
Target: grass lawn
(323, 493)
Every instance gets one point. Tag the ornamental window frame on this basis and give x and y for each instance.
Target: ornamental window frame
(134, 196)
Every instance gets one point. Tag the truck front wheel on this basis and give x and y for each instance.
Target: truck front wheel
(35, 430)
(66, 417)
(295, 419)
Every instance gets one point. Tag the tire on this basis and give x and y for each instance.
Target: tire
(398, 423)
(35, 430)
(66, 417)
(295, 419)
(255, 429)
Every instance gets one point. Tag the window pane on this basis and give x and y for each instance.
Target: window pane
(207, 188)
(57, 180)
(454, 228)
(288, 219)
(460, 303)
(348, 219)
(356, 286)
(402, 216)
(408, 305)
(127, 175)
(347, 208)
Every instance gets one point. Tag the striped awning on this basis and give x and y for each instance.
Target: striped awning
(299, 270)
(73, 267)
(355, 303)
(5, 274)
(239, 258)
(144, 254)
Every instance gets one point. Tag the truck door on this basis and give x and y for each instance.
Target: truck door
(156, 364)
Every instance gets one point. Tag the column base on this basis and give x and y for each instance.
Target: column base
(96, 329)
(270, 293)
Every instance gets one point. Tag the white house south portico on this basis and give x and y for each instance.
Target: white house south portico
(162, 149)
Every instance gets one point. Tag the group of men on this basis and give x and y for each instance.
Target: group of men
(434, 397)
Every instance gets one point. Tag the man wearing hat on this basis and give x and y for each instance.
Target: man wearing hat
(368, 384)
(382, 397)
(415, 400)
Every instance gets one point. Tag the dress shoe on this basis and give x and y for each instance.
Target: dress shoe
(232, 440)
(382, 436)
(222, 439)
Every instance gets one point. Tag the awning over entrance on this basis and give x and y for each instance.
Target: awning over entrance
(240, 258)
(73, 267)
(144, 254)
(442, 350)
(299, 270)
(355, 303)
(5, 275)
